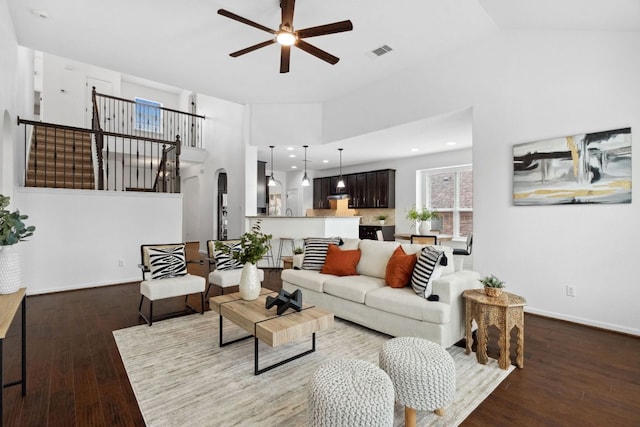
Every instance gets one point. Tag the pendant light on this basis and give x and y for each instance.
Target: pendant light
(305, 178)
(340, 180)
(272, 182)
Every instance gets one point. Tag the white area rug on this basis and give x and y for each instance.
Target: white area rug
(181, 376)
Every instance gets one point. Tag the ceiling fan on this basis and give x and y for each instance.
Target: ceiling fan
(286, 36)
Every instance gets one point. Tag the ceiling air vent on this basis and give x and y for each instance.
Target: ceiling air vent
(382, 50)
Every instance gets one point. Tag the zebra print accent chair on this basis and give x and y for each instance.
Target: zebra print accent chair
(164, 275)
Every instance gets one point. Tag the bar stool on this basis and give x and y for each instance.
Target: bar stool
(269, 256)
(282, 241)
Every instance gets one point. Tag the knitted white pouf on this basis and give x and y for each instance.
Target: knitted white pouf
(350, 393)
(422, 372)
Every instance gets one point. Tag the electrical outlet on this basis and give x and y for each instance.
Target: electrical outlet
(571, 291)
(121, 263)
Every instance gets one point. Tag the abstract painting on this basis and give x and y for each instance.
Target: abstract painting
(585, 168)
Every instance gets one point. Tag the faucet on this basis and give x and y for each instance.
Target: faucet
(288, 212)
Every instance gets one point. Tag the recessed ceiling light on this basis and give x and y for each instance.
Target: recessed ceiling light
(40, 14)
(451, 143)
(325, 161)
(289, 148)
(413, 150)
(294, 167)
(292, 155)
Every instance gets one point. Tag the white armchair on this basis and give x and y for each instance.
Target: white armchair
(164, 275)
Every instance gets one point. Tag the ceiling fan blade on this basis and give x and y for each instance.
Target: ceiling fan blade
(321, 30)
(287, 7)
(252, 48)
(239, 18)
(285, 57)
(319, 53)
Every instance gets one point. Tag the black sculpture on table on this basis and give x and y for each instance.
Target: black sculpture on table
(285, 300)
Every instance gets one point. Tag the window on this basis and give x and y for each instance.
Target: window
(449, 192)
(148, 116)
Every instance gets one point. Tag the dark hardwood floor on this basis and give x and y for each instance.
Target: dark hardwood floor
(573, 375)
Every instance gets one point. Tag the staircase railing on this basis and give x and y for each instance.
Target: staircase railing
(125, 162)
(146, 118)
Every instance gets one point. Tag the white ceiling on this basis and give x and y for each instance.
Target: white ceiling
(187, 45)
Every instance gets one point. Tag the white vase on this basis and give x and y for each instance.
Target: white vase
(10, 270)
(424, 227)
(249, 282)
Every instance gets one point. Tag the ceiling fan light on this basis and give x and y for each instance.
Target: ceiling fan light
(286, 38)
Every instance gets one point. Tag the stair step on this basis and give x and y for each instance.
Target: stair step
(77, 185)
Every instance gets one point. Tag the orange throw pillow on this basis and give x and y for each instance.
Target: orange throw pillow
(400, 268)
(341, 263)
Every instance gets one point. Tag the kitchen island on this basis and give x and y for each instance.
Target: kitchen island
(299, 227)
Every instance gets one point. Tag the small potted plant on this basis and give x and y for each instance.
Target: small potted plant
(298, 250)
(12, 231)
(382, 218)
(492, 285)
(422, 216)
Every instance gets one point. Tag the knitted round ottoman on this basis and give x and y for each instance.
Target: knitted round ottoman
(349, 392)
(422, 372)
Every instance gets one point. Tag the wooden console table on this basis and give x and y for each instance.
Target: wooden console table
(505, 312)
(9, 304)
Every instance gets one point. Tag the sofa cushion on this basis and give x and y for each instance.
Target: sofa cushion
(306, 279)
(315, 251)
(426, 271)
(404, 302)
(374, 258)
(412, 248)
(341, 262)
(349, 244)
(400, 268)
(352, 288)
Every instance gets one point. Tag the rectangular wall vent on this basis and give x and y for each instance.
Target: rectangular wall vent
(382, 50)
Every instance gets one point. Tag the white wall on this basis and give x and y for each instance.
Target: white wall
(223, 138)
(271, 124)
(524, 86)
(81, 236)
(65, 92)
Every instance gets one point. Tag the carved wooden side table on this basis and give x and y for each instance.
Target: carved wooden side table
(505, 312)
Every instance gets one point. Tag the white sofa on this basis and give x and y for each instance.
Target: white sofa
(366, 299)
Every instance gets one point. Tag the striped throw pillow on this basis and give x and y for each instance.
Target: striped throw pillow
(225, 261)
(315, 251)
(426, 271)
(167, 262)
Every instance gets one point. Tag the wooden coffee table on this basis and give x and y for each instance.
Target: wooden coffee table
(265, 325)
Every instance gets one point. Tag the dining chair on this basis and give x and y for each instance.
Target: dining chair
(466, 251)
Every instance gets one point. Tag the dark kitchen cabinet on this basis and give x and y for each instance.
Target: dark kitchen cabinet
(371, 232)
(375, 189)
(321, 189)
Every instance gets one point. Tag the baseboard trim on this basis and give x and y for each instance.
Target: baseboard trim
(582, 321)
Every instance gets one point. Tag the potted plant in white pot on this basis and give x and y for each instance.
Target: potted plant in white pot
(12, 231)
(381, 218)
(253, 246)
(422, 216)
